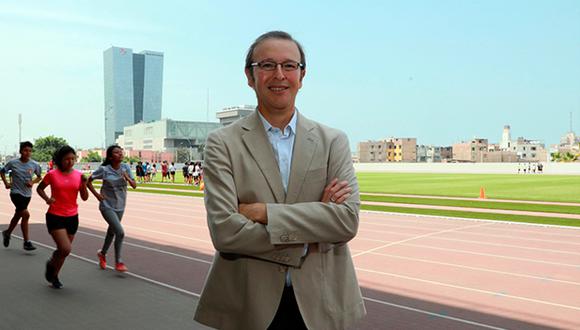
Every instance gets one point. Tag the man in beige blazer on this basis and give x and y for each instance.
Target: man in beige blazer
(282, 200)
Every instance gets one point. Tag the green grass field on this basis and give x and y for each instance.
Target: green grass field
(557, 188)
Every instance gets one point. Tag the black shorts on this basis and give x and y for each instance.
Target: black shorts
(20, 202)
(54, 222)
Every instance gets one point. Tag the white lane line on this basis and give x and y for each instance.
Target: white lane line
(85, 218)
(478, 269)
(518, 238)
(358, 238)
(129, 216)
(490, 228)
(128, 273)
(429, 247)
(475, 234)
(499, 222)
(413, 238)
(421, 311)
(197, 295)
(505, 245)
(152, 249)
(486, 292)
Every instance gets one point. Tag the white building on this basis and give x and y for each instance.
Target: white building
(167, 135)
(230, 114)
(529, 150)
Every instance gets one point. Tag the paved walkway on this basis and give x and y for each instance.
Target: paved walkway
(90, 299)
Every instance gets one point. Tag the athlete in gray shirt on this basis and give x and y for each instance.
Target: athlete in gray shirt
(21, 172)
(112, 198)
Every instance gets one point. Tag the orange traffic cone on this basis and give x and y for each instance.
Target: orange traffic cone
(201, 186)
(482, 193)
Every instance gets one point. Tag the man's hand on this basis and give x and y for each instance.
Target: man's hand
(50, 200)
(29, 184)
(336, 192)
(255, 212)
(8, 185)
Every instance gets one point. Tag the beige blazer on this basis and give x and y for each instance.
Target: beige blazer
(245, 282)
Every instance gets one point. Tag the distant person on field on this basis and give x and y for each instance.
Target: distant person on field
(112, 200)
(62, 217)
(164, 169)
(22, 171)
(172, 172)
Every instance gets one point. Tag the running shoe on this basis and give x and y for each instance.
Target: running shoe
(49, 272)
(56, 283)
(5, 238)
(102, 260)
(28, 246)
(120, 267)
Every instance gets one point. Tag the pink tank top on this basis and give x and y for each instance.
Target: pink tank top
(64, 188)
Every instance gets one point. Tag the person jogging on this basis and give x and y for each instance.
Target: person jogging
(113, 196)
(62, 218)
(21, 171)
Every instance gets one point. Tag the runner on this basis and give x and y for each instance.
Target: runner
(62, 219)
(113, 196)
(20, 185)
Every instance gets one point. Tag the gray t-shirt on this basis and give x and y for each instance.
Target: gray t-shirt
(114, 188)
(21, 173)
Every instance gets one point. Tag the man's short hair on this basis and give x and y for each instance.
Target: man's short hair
(273, 35)
(25, 144)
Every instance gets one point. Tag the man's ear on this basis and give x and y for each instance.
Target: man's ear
(302, 74)
(250, 77)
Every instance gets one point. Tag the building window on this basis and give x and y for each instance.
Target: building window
(128, 133)
(148, 131)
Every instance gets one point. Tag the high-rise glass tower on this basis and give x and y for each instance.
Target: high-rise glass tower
(133, 89)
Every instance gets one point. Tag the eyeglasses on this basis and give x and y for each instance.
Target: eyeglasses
(271, 65)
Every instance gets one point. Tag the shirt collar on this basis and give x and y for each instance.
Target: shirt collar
(291, 125)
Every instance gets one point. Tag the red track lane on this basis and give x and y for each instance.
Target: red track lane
(416, 272)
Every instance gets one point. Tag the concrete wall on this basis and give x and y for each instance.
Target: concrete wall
(479, 168)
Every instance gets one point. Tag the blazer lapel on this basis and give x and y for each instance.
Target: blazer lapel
(259, 147)
(305, 145)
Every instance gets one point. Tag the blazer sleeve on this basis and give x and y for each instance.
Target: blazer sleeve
(232, 234)
(317, 222)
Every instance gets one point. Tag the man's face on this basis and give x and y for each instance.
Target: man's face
(26, 153)
(276, 90)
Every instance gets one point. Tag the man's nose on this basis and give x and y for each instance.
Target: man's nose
(279, 73)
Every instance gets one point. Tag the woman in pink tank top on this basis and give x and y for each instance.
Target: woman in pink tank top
(62, 218)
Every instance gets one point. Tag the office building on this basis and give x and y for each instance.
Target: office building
(133, 89)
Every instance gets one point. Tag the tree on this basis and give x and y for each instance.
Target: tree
(45, 147)
(92, 157)
(132, 159)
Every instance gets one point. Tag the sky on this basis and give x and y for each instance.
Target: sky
(441, 71)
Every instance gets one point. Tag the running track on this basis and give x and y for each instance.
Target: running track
(416, 272)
